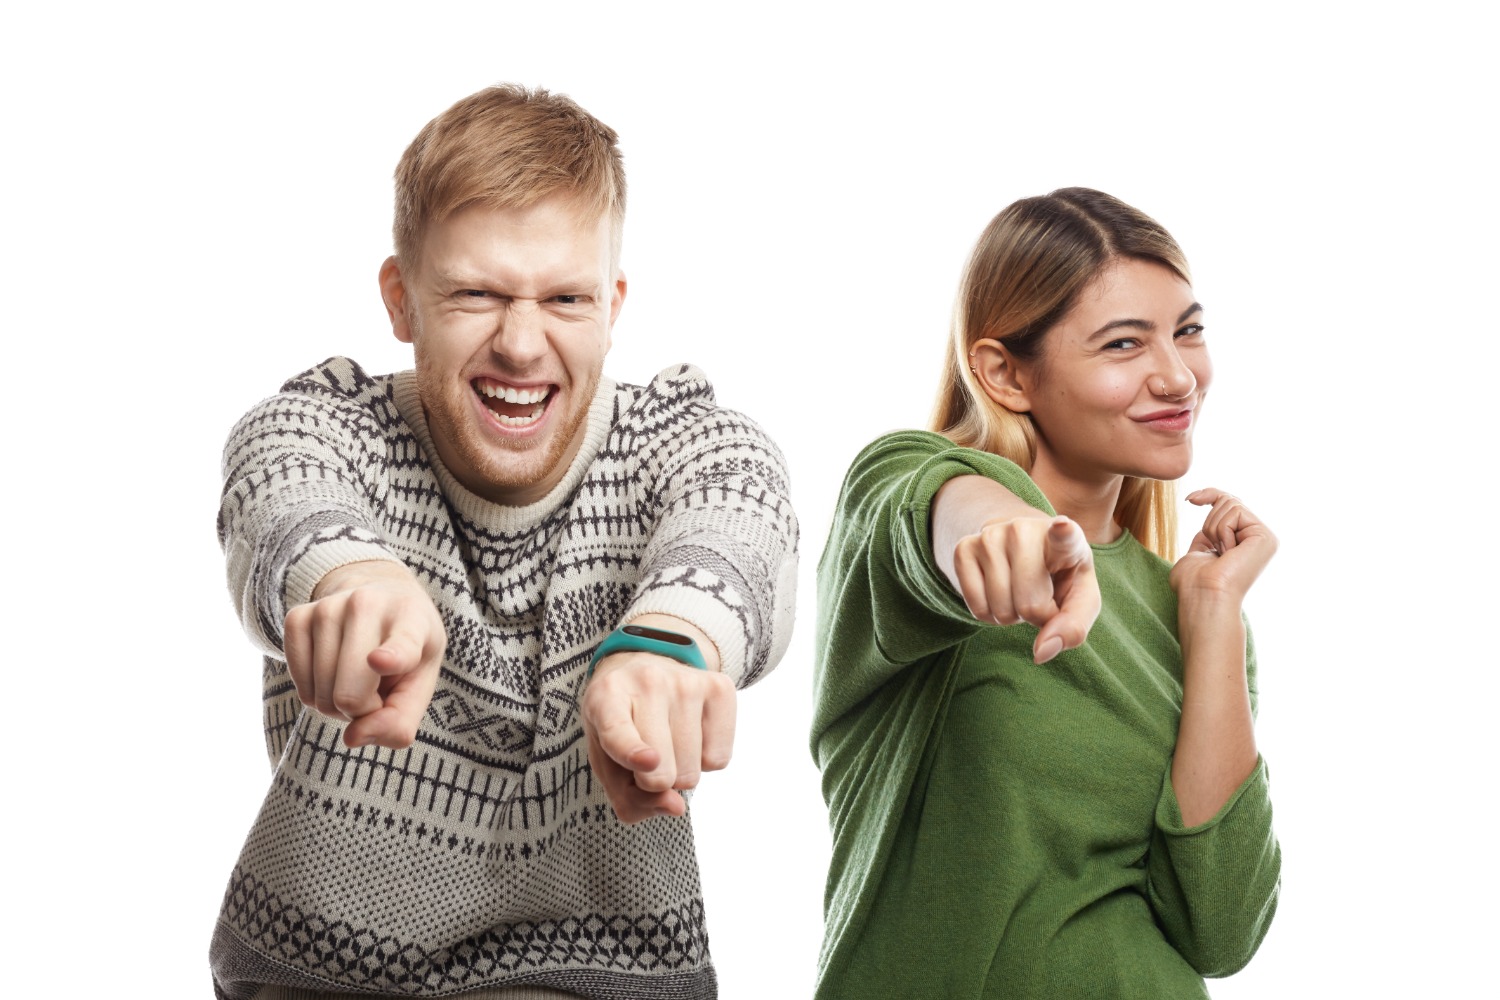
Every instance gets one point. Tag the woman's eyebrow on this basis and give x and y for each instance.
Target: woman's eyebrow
(1142, 324)
(1115, 324)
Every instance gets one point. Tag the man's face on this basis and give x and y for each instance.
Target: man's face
(510, 312)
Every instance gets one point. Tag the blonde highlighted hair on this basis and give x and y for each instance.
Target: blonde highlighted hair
(507, 147)
(1026, 271)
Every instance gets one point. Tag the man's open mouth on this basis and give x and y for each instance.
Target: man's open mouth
(513, 407)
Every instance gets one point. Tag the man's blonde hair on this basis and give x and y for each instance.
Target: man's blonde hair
(507, 147)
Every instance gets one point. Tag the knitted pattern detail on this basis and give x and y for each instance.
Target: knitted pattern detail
(486, 854)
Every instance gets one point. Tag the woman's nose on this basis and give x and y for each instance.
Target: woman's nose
(1175, 380)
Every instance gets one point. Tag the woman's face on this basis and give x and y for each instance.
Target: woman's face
(1122, 377)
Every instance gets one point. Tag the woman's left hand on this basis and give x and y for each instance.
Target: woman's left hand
(1228, 553)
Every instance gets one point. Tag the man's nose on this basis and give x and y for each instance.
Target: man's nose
(521, 338)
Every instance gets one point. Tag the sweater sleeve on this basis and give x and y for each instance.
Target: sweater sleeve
(723, 549)
(303, 472)
(882, 602)
(1214, 886)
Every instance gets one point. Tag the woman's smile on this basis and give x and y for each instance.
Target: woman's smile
(1173, 420)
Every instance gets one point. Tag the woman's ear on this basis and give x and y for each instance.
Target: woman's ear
(999, 376)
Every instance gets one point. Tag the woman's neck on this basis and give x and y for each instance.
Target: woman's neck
(1089, 501)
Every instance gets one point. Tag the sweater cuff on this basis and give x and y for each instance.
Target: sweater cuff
(1255, 790)
(914, 516)
(322, 558)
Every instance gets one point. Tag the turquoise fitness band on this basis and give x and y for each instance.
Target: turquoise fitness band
(639, 638)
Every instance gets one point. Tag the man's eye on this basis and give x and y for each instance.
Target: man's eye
(567, 300)
(473, 293)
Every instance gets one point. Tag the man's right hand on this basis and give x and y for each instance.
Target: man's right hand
(1012, 563)
(367, 649)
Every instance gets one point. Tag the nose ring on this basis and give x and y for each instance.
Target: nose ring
(1164, 393)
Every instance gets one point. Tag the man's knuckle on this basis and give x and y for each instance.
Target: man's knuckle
(363, 601)
(652, 681)
(614, 730)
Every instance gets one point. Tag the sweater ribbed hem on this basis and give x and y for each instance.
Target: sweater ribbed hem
(505, 993)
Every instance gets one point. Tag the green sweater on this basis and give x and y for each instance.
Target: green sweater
(1002, 829)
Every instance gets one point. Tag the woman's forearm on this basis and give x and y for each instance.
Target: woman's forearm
(1216, 736)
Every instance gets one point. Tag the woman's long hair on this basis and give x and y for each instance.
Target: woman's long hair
(1025, 273)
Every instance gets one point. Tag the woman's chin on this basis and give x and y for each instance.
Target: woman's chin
(1163, 471)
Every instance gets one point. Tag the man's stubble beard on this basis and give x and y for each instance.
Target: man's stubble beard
(493, 474)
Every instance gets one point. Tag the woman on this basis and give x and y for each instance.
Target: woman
(1098, 826)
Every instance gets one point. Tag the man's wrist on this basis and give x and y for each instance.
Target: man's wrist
(634, 638)
(357, 574)
(671, 623)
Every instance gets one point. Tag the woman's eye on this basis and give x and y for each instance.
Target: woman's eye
(1123, 344)
(1191, 330)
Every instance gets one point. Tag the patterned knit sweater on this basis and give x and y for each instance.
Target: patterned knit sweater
(485, 854)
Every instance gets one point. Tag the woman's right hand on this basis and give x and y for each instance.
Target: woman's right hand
(1028, 569)
(1011, 563)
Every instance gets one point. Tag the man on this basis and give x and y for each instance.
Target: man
(505, 603)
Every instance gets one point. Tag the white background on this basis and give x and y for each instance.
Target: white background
(196, 202)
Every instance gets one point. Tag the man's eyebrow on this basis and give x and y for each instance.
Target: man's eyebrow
(581, 283)
(458, 277)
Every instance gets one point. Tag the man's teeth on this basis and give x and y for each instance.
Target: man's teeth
(505, 421)
(513, 395)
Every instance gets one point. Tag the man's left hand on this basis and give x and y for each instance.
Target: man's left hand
(654, 725)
